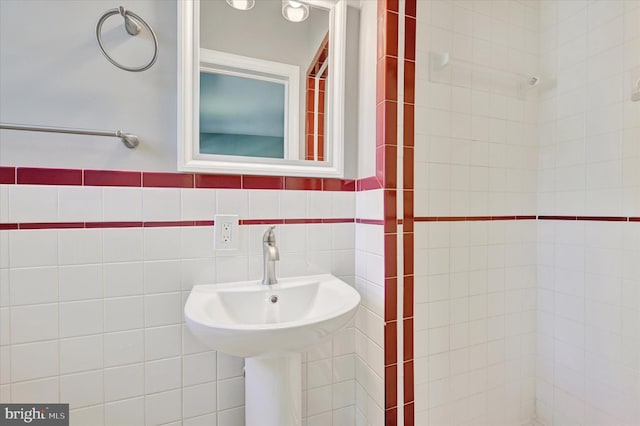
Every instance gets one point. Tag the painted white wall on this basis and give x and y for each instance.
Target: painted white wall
(53, 73)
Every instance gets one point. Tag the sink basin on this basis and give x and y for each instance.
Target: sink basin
(249, 319)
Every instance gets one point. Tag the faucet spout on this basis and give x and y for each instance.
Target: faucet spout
(270, 254)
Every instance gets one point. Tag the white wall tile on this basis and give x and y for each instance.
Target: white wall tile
(82, 390)
(163, 375)
(127, 412)
(162, 309)
(161, 204)
(80, 246)
(161, 277)
(33, 203)
(162, 243)
(86, 415)
(81, 318)
(123, 313)
(80, 282)
(79, 204)
(81, 354)
(123, 382)
(33, 323)
(162, 342)
(198, 204)
(126, 347)
(33, 248)
(34, 361)
(230, 393)
(199, 399)
(122, 279)
(32, 286)
(199, 368)
(163, 407)
(122, 245)
(37, 390)
(122, 204)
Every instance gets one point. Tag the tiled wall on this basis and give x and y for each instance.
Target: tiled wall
(93, 317)
(588, 369)
(475, 201)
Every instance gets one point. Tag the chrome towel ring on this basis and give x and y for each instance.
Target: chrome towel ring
(131, 24)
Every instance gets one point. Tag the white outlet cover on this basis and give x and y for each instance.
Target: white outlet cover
(226, 232)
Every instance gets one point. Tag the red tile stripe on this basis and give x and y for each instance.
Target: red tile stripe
(408, 213)
(163, 224)
(11, 175)
(7, 175)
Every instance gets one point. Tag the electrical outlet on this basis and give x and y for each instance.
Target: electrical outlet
(226, 232)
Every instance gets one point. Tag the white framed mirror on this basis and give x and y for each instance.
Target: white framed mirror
(259, 94)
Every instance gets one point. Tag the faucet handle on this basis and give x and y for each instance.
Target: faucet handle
(269, 236)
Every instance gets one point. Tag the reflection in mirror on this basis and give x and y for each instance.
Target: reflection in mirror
(261, 90)
(248, 107)
(248, 110)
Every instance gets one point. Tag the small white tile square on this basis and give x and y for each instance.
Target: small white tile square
(37, 390)
(33, 203)
(123, 313)
(122, 245)
(34, 361)
(127, 412)
(162, 243)
(81, 318)
(33, 323)
(122, 204)
(80, 282)
(199, 399)
(82, 390)
(163, 375)
(125, 347)
(162, 309)
(199, 368)
(198, 204)
(81, 354)
(162, 277)
(232, 201)
(122, 279)
(264, 204)
(123, 382)
(33, 248)
(162, 342)
(32, 285)
(79, 204)
(80, 246)
(160, 204)
(230, 393)
(163, 407)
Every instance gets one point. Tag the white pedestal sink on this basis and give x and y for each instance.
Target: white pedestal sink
(270, 326)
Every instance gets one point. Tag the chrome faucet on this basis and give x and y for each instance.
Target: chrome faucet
(270, 254)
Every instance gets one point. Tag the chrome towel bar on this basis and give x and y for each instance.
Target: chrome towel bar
(129, 140)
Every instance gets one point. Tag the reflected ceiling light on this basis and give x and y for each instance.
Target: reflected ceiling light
(294, 11)
(241, 4)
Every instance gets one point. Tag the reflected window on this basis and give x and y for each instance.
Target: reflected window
(242, 115)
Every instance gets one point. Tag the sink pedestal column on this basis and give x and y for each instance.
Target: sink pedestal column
(273, 390)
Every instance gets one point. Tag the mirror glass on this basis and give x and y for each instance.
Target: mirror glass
(265, 90)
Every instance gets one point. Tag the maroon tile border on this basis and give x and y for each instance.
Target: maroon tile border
(42, 176)
(167, 180)
(12, 175)
(7, 175)
(164, 224)
(112, 178)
